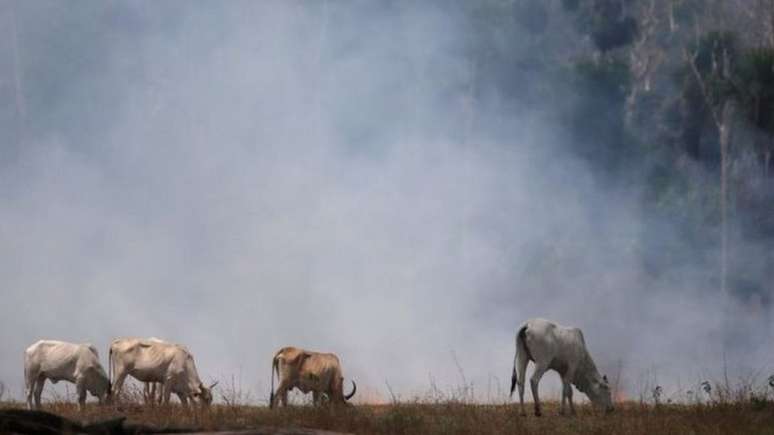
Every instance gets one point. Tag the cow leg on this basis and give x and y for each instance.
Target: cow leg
(29, 395)
(30, 379)
(284, 398)
(183, 399)
(31, 382)
(316, 398)
(522, 373)
(564, 398)
(149, 392)
(146, 392)
(533, 382)
(568, 393)
(152, 393)
(166, 391)
(282, 393)
(156, 391)
(40, 381)
(80, 388)
(119, 383)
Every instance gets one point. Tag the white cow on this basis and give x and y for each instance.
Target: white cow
(153, 360)
(62, 361)
(555, 347)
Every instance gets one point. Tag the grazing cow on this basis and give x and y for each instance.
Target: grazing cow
(551, 346)
(153, 360)
(308, 371)
(62, 361)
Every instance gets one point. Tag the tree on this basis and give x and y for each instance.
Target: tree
(705, 86)
(710, 64)
(753, 86)
(606, 22)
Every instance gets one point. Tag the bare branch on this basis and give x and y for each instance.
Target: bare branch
(691, 59)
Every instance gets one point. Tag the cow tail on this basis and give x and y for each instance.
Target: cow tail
(27, 385)
(521, 344)
(514, 376)
(274, 368)
(110, 364)
(523, 340)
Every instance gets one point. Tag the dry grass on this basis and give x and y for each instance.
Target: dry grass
(745, 417)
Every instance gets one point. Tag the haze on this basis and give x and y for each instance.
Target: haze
(240, 176)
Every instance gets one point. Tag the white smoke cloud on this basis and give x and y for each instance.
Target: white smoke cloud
(282, 173)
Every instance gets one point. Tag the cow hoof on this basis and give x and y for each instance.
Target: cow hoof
(538, 414)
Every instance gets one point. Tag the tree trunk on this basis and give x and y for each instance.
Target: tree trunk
(672, 22)
(694, 115)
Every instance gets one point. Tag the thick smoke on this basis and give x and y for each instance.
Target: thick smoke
(242, 176)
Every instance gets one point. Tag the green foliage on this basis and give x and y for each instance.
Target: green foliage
(636, 135)
(605, 22)
(608, 79)
(716, 54)
(636, 122)
(686, 11)
(712, 57)
(596, 119)
(759, 402)
(610, 34)
(754, 81)
(710, 50)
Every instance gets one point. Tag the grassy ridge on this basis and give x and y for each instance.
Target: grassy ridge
(450, 418)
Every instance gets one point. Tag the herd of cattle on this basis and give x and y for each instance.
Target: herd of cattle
(170, 366)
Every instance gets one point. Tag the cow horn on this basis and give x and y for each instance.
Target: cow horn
(354, 388)
(213, 385)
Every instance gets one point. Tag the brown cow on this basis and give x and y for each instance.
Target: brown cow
(308, 371)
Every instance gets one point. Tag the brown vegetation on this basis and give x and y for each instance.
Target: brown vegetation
(748, 417)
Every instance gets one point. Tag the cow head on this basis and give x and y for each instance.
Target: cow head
(354, 390)
(109, 397)
(351, 394)
(98, 384)
(599, 393)
(337, 396)
(204, 394)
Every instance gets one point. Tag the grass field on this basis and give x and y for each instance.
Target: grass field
(448, 418)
